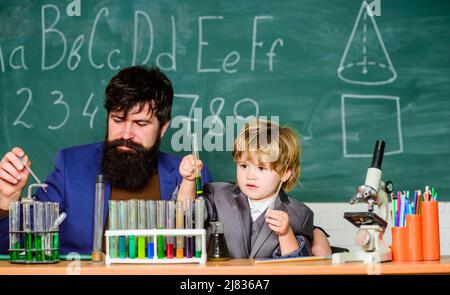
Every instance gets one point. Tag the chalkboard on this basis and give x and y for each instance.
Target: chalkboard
(342, 73)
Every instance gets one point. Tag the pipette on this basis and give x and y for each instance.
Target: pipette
(32, 173)
(198, 175)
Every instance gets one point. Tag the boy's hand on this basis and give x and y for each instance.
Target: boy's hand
(278, 221)
(187, 167)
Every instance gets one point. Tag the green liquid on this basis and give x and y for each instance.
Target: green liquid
(141, 247)
(38, 245)
(132, 246)
(55, 245)
(28, 247)
(198, 185)
(160, 245)
(198, 254)
(14, 255)
(113, 244)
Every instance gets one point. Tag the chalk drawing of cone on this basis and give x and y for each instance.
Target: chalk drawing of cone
(365, 60)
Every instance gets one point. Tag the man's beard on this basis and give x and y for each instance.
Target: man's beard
(129, 169)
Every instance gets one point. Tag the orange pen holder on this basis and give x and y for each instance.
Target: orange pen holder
(419, 239)
(400, 243)
(430, 230)
(415, 237)
(407, 240)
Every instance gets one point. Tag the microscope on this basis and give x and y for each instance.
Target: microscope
(371, 225)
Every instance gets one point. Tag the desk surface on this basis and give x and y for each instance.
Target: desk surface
(231, 267)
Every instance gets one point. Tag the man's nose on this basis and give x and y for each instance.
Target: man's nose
(127, 132)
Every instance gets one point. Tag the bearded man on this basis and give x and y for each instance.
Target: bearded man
(138, 101)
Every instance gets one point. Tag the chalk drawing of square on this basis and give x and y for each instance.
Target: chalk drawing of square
(366, 118)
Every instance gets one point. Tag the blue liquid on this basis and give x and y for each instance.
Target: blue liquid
(150, 250)
(189, 247)
(122, 247)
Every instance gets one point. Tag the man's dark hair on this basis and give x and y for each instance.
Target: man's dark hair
(137, 86)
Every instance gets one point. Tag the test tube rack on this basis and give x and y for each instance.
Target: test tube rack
(32, 238)
(154, 234)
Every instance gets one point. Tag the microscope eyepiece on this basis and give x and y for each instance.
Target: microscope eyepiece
(378, 153)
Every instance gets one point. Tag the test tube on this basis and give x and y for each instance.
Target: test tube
(198, 175)
(123, 225)
(189, 225)
(170, 224)
(180, 225)
(141, 225)
(132, 224)
(55, 234)
(151, 224)
(199, 224)
(28, 240)
(39, 220)
(48, 227)
(113, 225)
(160, 223)
(14, 228)
(97, 254)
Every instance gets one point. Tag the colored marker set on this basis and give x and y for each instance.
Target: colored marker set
(415, 230)
(147, 231)
(33, 232)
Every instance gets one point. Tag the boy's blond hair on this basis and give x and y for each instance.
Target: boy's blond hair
(279, 146)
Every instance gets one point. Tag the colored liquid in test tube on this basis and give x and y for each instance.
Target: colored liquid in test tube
(142, 216)
(199, 224)
(48, 228)
(39, 211)
(189, 247)
(132, 224)
(14, 228)
(113, 225)
(160, 224)
(123, 225)
(55, 235)
(198, 175)
(28, 240)
(151, 224)
(180, 225)
(170, 224)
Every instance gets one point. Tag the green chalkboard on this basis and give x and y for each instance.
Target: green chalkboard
(341, 76)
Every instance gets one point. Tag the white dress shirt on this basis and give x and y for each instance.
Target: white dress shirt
(257, 208)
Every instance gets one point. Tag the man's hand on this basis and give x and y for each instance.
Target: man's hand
(278, 222)
(13, 176)
(187, 167)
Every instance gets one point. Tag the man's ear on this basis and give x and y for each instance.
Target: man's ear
(164, 128)
(286, 175)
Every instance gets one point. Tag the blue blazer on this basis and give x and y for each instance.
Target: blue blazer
(72, 184)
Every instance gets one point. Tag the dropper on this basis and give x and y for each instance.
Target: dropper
(24, 162)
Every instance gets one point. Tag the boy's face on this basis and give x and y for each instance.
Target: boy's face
(256, 179)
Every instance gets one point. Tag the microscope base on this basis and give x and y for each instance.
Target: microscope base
(361, 255)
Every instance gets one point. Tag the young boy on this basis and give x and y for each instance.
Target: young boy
(259, 218)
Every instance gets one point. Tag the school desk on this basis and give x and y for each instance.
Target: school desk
(232, 267)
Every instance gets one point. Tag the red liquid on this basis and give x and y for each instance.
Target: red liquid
(169, 250)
